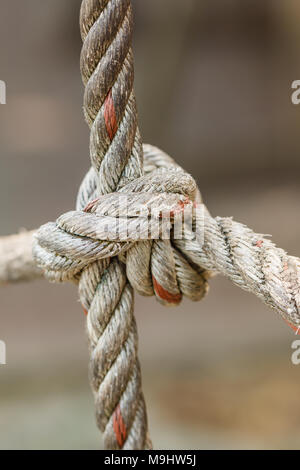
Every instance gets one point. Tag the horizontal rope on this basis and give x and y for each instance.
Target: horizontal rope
(16, 261)
(107, 247)
(118, 224)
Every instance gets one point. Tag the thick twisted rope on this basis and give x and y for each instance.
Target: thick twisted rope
(248, 259)
(116, 155)
(117, 158)
(84, 245)
(79, 245)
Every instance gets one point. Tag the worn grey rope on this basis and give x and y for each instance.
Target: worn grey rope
(117, 158)
(250, 260)
(82, 246)
(116, 155)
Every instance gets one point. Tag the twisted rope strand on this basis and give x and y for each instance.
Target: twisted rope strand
(83, 247)
(249, 260)
(116, 155)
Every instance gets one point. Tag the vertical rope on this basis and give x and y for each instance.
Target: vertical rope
(117, 157)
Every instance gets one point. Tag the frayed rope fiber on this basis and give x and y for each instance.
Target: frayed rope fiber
(82, 247)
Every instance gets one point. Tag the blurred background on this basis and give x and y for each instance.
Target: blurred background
(213, 83)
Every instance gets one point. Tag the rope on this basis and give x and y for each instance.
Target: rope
(16, 261)
(107, 296)
(83, 246)
(116, 156)
(168, 268)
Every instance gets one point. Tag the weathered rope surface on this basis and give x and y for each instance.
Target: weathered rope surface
(83, 247)
(117, 158)
(116, 155)
(79, 246)
(248, 259)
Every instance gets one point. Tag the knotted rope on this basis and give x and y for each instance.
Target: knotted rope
(117, 158)
(83, 245)
(167, 268)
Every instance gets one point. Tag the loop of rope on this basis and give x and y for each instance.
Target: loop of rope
(154, 267)
(248, 259)
(79, 246)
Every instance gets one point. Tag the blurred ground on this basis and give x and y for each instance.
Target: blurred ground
(213, 86)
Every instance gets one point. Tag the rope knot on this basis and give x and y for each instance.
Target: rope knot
(138, 224)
